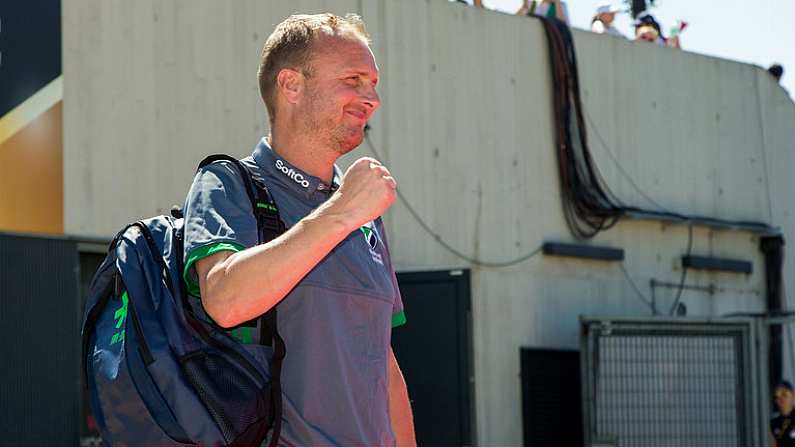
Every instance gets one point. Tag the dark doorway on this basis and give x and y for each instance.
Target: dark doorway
(433, 349)
(551, 405)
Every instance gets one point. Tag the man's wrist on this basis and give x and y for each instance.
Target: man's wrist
(338, 224)
(333, 212)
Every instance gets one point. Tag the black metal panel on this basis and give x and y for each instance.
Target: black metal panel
(773, 249)
(717, 264)
(30, 43)
(551, 409)
(433, 350)
(39, 329)
(583, 251)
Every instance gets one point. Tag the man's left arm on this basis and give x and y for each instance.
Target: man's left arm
(399, 406)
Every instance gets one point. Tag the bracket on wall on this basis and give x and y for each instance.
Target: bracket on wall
(717, 264)
(582, 251)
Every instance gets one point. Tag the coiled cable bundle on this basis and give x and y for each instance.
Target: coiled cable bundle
(588, 203)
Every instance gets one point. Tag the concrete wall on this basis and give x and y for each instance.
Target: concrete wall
(465, 126)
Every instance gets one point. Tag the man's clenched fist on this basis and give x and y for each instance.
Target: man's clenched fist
(367, 190)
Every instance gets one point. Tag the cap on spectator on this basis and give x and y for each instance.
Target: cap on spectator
(645, 18)
(607, 7)
(785, 384)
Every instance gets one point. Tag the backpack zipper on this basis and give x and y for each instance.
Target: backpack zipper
(91, 322)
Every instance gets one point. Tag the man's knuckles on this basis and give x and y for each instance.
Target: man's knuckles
(381, 170)
(364, 163)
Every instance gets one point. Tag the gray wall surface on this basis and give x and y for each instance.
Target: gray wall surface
(152, 87)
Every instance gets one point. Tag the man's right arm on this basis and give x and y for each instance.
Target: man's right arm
(239, 286)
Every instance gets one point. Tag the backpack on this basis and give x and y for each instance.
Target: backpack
(158, 370)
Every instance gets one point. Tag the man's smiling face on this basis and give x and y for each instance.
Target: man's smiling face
(340, 95)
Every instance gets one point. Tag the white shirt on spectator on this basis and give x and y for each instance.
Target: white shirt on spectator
(600, 28)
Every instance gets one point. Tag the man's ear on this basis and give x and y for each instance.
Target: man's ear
(290, 84)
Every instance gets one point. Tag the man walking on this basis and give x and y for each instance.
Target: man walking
(330, 273)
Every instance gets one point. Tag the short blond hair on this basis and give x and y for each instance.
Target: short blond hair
(290, 44)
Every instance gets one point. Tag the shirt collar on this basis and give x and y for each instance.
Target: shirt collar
(290, 176)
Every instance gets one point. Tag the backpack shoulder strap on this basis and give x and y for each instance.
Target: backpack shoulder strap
(270, 226)
(265, 209)
(242, 171)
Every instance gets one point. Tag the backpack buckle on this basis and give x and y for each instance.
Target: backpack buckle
(268, 218)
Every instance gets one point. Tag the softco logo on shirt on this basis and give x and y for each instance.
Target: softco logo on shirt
(290, 172)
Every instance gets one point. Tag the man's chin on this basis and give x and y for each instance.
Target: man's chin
(350, 141)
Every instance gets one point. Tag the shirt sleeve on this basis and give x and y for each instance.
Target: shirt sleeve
(218, 217)
(398, 313)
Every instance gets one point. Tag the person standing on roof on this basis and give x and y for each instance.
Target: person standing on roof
(647, 29)
(545, 8)
(330, 273)
(602, 22)
(777, 71)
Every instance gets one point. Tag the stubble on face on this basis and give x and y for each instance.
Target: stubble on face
(319, 119)
(322, 113)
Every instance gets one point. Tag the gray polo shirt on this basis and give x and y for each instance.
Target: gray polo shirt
(336, 323)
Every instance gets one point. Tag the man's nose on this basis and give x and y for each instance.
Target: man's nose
(371, 98)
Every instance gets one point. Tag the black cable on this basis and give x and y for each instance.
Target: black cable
(791, 347)
(619, 166)
(684, 270)
(663, 212)
(653, 298)
(589, 205)
(438, 238)
(474, 261)
(640, 295)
